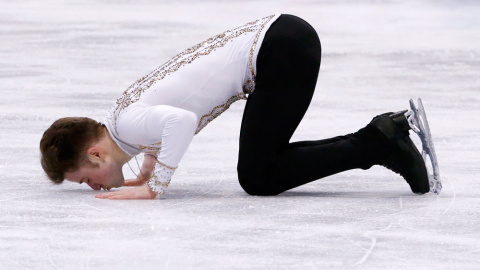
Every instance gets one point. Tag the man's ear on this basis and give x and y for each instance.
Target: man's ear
(96, 154)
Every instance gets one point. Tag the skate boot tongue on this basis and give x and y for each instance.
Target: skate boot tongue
(401, 120)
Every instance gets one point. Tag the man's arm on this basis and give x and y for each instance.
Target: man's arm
(175, 128)
(177, 133)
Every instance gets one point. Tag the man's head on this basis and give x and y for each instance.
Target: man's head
(77, 149)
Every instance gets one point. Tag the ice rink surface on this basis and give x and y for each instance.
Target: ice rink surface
(74, 58)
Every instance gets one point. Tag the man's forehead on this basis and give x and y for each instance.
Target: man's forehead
(75, 176)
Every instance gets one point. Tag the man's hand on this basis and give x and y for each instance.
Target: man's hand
(136, 193)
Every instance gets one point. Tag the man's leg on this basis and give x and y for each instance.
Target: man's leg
(287, 70)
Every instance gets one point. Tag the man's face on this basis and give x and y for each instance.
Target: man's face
(104, 176)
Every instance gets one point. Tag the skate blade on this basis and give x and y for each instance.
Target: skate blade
(417, 119)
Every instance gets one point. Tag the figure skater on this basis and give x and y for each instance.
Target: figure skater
(273, 63)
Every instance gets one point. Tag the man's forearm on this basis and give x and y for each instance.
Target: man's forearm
(147, 167)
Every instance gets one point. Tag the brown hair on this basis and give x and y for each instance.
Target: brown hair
(64, 144)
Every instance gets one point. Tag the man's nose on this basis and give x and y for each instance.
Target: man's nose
(94, 186)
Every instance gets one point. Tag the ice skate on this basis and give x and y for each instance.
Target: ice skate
(405, 159)
(417, 120)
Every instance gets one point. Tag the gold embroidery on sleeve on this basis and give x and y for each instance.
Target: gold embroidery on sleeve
(166, 166)
(153, 148)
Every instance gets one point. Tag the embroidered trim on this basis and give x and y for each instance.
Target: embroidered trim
(158, 186)
(151, 149)
(160, 183)
(133, 93)
(217, 110)
(143, 147)
(249, 87)
(160, 178)
(166, 166)
(250, 84)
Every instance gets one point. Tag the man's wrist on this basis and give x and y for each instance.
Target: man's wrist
(152, 193)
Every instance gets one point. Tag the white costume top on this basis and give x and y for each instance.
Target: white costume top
(160, 113)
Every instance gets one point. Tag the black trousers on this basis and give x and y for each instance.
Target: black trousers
(287, 69)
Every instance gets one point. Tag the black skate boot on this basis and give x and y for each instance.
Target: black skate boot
(405, 159)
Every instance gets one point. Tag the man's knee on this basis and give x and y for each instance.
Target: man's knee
(258, 185)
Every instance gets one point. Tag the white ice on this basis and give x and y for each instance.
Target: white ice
(74, 58)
